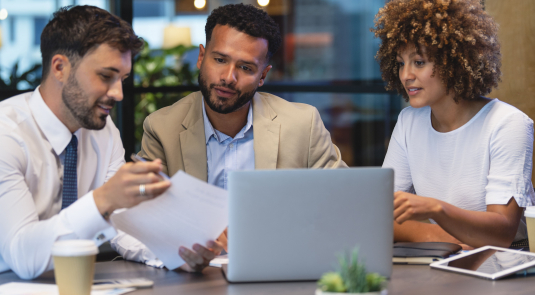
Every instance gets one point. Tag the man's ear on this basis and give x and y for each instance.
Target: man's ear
(264, 74)
(60, 67)
(202, 50)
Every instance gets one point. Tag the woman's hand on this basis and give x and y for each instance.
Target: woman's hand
(466, 247)
(409, 206)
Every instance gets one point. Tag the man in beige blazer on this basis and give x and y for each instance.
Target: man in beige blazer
(228, 125)
(286, 135)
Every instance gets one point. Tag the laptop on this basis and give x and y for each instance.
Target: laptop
(290, 225)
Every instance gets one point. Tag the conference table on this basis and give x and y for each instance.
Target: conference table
(406, 279)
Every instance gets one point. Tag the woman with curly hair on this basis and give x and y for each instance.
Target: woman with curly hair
(460, 159)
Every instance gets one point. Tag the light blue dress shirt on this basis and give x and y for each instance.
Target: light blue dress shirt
(224, 153)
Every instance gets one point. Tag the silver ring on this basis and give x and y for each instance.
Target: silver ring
(142, 190)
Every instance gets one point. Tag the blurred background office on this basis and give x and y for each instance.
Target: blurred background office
(326, 60)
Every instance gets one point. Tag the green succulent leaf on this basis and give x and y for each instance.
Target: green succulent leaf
(332, 282)
(375, 282)
(352, 276)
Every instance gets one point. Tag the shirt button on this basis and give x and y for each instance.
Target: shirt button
(101, 237)
(231, 145)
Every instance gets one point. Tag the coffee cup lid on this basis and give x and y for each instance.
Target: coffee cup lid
(530, 212)
(74, 248)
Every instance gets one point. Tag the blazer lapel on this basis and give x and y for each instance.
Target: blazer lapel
(266, 134)
(193, 143)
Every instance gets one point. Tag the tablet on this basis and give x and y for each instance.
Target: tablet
(488, 262)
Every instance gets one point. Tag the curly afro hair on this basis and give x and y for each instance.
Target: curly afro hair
(247, 19)
(458, 36)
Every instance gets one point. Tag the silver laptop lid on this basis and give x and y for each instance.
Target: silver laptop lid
(291, 224)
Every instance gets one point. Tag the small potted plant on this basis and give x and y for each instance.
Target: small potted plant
(351, 278)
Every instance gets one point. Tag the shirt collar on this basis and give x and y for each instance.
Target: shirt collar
(209, 130)
(54, 130)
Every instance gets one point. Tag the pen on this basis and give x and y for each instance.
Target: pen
(137, 158)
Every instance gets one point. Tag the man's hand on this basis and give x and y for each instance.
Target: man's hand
(123, 189)
(223, 240)
(200, 257)
(409, 206)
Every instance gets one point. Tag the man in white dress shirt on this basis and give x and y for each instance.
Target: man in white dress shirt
(62, 169)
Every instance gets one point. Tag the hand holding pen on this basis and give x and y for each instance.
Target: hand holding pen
(137, 158)
(131, 185)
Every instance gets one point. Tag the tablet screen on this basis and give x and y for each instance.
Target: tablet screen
(491, 261)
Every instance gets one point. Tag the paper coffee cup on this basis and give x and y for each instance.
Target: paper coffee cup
(529, 213)
(74, 266)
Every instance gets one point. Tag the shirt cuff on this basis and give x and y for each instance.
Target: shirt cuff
(86, 221)
(156, 263)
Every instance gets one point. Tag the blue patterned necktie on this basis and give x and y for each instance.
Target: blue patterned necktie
(70, 182)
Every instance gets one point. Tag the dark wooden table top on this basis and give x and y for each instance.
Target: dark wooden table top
(406, 279)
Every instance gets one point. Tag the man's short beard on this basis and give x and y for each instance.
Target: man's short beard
(76, 101)
(240, 101)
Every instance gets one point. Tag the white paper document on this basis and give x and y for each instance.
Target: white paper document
(190, 211)
(50, 289)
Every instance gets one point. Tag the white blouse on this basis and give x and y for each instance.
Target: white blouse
(486, 161)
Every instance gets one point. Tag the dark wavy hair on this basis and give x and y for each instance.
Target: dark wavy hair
(458, 36)
(247, 19)
(75, 30)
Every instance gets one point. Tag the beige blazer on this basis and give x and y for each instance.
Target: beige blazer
(286, 135)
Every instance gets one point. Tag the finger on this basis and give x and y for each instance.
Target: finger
(215, 246)
(151, 190)
(155, 189)
(145, 167)
(397, 193)
(399, 220)
(399, 201)
(223, 234)
(141, 178)
(398, 213)
(205, 253)
(404, 217)
(401, 210)
(191, 258)
(223, 240)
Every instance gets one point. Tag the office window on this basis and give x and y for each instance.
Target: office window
(326, 60)
(22, 28)
(149, 8)
(360, 124)
(39, 24)
(12, 34)
(323, 40)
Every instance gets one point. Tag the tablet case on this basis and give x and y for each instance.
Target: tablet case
(424, 252)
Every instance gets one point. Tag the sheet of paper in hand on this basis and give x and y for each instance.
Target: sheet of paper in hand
(191, 211)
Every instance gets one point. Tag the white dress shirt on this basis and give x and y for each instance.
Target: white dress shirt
(33, 142)
(223, 154)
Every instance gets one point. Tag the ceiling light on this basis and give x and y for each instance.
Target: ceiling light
(199, 4)
(3, 14)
